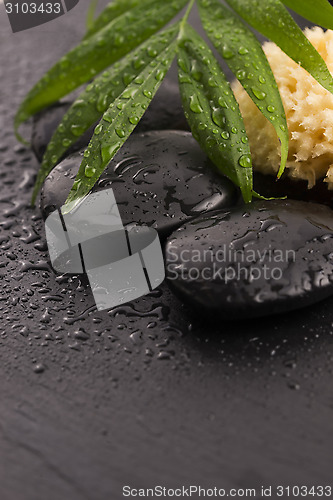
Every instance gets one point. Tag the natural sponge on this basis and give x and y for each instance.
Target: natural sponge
(309, 112)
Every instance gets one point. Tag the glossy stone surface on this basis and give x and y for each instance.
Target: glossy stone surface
(256, 260)
(165, 112)
(161, 179)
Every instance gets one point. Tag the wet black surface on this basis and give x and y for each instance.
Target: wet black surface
(149, 393)
(265, 258)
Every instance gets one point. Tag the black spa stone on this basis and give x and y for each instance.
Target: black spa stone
(164, 112)
(161, 179)
(254, 260)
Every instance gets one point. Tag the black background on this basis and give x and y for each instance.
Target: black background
(150, 393)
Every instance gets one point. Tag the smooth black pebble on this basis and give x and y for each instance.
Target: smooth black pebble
(161, 179)
(165, 112)
(256, 260)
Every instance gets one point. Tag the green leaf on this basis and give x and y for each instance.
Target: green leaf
(245, 57)
(272, 19)
(318, 12)
(97, 97)
(90, 19)
(118, 123)
(112, 11)
(264, 198)
(212, 111)
(91, 56)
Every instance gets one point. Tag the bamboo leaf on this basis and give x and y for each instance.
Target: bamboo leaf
(118, 123)
(245, 57)
(97, 97)
(319, 13)
(212, 111)
(272, 19)
(112, 11)
(91, 56)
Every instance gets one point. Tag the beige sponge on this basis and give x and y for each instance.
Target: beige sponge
(309, 112)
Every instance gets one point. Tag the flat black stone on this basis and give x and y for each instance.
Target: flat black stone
(260, 259)
(164, 112)
(161, 179)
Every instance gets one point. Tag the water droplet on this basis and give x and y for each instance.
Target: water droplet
(227, 53)
(108, 151)
(242, 51)
(160, 75)
(76, 185)
(127, 78)
(152, 52)
(102, 103)
(120, 132)
(134, 120)
(223, 103)
(138, 63)
(271, 109)
(218, 117)
(77, 130)
(98, 129)
(139, 80)
(259, 94)
(89, 171)
(245, 161)
(212, 82)
(225, 135)
(241, 74)
(39, 368)
(183, 65)
(195, 105)
(183, 78)
(128, 93)
(195, 71)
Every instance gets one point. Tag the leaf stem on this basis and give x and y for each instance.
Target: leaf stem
(185, 18)
(91, 14)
